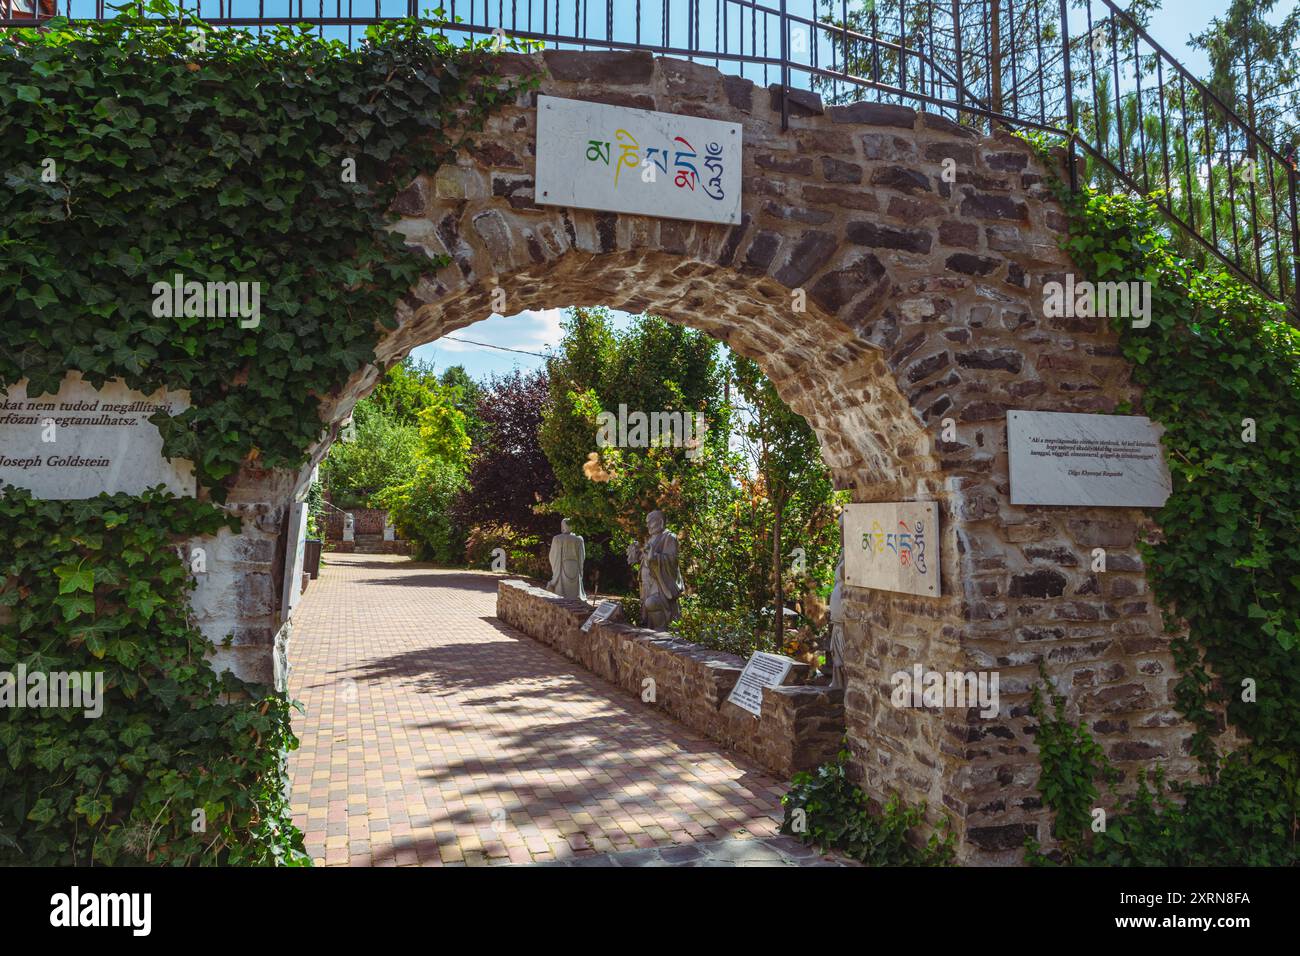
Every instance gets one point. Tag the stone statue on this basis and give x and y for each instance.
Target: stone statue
(568, 554)
(836, 654)
(661, 578)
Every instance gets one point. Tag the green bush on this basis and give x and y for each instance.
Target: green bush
(826, 809)
(731, 630)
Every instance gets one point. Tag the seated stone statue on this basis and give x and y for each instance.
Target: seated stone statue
(661, 579)
(568, 554)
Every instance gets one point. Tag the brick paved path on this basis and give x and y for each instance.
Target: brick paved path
(435, 735)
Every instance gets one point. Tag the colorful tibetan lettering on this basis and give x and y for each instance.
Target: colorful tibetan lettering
(631, 156)
(686, 172)
(713, 188)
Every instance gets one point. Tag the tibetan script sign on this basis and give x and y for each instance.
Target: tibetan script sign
(592, 156)
(1060, 458)
(84, 440)
(761, 670)
(893, 547)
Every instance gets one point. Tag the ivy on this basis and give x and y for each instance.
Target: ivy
(1220, 370)
(233, 163)
(134, 150)
(826, 809)
(1215, 358)
(181, 765)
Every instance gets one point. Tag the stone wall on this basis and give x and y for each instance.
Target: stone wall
(801, 725)
(923, 306)
(364, 521)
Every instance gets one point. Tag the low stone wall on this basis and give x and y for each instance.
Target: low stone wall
(364, 521)
(368, 545)
(801, 725)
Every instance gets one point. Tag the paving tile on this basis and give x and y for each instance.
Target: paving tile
(436, 735)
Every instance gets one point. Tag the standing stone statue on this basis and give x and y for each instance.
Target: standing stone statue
(661, 578)
(568, 553)
(837, 618)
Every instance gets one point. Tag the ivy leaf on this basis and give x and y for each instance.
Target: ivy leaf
(43, 811)
(74, 605)
(75, 578)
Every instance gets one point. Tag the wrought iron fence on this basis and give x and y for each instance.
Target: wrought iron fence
(1083, 70)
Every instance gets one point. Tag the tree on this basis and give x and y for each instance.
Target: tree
(1254, 67)
(467, 397)
(785, 457)
(654, 366)
(510, 474)
(420, 507)
(385, 452)
(404, 391)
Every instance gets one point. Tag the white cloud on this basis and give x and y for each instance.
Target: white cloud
(532, 331)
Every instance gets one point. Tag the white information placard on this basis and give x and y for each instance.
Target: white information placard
(1062, 458)
(893, 546)
(604, 611)
(615, 158)
(84, 440)
(761, 670)
(294, 553)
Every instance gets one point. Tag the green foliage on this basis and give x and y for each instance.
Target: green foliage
(222, 165)
(723, 628)
(98, 586)
(653, 366)
(1249, 814)
(526, 554)
(227, 165)
(826, 809)
(1227, 563)
(384, 453)
(406, 389)
(420, 507)
(1072, 762)
(316, 511)
(784, 499)
(737, 511)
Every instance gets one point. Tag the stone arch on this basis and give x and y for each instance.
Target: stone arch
(923, 303)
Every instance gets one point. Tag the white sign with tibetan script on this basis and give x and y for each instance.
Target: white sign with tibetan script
(1061, 458)
(761, 670)
(615, 158)
(892, 546)
(84, 440)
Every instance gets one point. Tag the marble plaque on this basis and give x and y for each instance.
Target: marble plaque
(294, 554)
(84, 440)
(1060, 458)
(761, 670)
(892, 546)
(616, 158)
(604, 611)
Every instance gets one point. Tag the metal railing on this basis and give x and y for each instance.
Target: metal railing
(1090, 75)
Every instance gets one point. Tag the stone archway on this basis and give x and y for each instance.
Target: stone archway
(923, 302)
